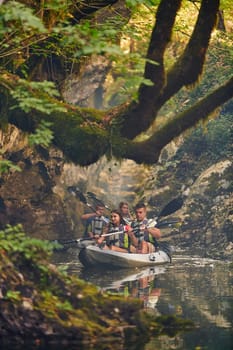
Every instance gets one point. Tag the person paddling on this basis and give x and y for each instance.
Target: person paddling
(143, 238)
(95, 222)
(117, 241)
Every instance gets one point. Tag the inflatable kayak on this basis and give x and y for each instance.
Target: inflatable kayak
(92, 255)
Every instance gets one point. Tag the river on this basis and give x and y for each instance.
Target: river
(190, 287)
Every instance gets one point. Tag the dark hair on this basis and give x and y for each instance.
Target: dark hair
(116, 211)
(140, 205)
(98, 206)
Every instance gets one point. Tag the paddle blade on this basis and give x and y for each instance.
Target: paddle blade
(76, 192)
(97, 200)
(172, 206)
(91, 195)
(174, 222)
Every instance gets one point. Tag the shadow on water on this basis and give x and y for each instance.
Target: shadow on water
(193, 288)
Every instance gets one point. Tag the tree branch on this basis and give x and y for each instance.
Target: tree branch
(189, 66)
(142, 114)
(185, 71)
(148, 151)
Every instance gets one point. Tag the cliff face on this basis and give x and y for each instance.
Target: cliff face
(207, 212)
(27, 196)
(37, 197)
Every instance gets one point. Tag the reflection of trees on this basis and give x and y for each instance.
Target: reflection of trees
(198, 290)
(201, 291)
(202, 294)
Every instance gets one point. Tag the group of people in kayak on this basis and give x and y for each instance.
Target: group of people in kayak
(122, 232)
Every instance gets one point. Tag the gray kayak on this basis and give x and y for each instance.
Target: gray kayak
(94, 256)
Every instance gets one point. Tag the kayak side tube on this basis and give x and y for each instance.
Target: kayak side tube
(95, 256)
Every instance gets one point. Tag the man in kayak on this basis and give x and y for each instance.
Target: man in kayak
(143, 237)
(95, 222)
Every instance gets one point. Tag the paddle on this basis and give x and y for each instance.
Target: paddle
(80, 240)
(172, 206)
(75, 191)
(167, 222)
(97, 200)
(169, 208)
(79, 194)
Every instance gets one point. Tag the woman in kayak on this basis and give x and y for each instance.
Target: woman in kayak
(124, 210)
(117, 238)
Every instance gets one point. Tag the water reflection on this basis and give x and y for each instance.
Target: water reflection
(141, 284)
(191, 287)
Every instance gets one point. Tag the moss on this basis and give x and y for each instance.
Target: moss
(79, 132)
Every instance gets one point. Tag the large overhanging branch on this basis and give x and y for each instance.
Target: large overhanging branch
(83, 138)
(148, 151)
(141, 115)
(189, 66)
(84, 135)
(185, 71)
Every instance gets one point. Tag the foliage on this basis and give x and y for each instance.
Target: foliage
(50, 40)
(68, 40)
(42, 136)
(14, 241)
(6, 166)
(214, 138)
(13, 295)
(84, 39)
(36, 95)
(134, 3)
(19, 28)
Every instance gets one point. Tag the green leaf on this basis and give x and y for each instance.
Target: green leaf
(15, 11)
(7, 165)
(38, 96)
(42, 136)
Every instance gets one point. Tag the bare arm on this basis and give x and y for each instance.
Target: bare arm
(88, 216)
(134, 240)
(154, 231)
(102, 238)
(91, 215)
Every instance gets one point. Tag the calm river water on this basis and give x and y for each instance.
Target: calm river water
(191, 287)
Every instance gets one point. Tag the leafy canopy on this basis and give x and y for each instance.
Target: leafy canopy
(153, 54)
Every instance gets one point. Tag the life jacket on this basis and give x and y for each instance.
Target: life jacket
(127, 220)
(119, 240)
(95, 225)
(141, 234)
